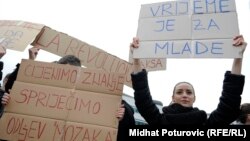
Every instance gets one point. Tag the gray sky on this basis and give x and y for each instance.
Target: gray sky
(111, 25)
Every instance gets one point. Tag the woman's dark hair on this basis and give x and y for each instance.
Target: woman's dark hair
(244, 111)
(71, 60)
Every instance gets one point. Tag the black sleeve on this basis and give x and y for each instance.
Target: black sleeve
(11, 79)
(143, 99)
(1, 106)
(127, 122)
(228, 108)
(128, 118)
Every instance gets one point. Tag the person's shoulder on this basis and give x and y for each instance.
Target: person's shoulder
(237, 123)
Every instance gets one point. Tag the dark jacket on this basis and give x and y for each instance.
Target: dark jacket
(1, 106)
(225, 113)
(8, 86)
(11, 79)
(127, 122)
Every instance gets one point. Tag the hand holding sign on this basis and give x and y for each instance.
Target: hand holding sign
(238, 41)
(33, 53)
(5, 99)
(136, 61)
(135, 43)
(120, 112)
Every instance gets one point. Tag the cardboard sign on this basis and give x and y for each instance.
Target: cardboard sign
(188, 29)
(46, 110)
(92, 57)
(216, 6)
(151, 64)
(61, 104)
(220, 48)
(16, 127)
(169, 49)
(94, 108)
(186, 7)
(50, 74)
(164, 28)
(165, 9)
(215, 26)
(28, 99)
(100, 81)
(17, 35)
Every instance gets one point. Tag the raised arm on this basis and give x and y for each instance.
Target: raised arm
(143, 98)
(238, 41)
(136, 62)
(33, 53)
(228, 108)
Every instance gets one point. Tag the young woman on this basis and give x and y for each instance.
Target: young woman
(181, 110)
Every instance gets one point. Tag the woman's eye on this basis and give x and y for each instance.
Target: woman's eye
(179, 92)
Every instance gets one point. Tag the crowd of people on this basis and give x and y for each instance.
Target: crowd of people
(181, 110)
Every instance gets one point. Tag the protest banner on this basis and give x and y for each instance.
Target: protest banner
(188, 29)
(17, 35)
(60, 102)
(92, 57)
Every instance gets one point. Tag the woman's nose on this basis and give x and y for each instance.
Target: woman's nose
(184, 94)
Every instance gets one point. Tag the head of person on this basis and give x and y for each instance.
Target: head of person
(244, 113)
(183, 94)
(71, 60)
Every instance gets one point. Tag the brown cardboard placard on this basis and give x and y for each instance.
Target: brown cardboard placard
(37, 104)
(17, 35)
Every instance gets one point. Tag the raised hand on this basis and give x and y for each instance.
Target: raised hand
(120, 112)
(5, 99)
(135, 43)
(33, 53)
(238, 41)
(136, 62)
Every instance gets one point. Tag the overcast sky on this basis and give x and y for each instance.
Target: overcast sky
(111, 25)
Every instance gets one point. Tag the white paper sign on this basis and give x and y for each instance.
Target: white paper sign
(188, 29)
(220, 48)
(164, 28)
(215, 26)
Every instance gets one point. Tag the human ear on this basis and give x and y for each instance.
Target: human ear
(194, 98)
(173, 100)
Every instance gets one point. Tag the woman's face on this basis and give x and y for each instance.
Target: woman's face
(248, 119)
(184, 94)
